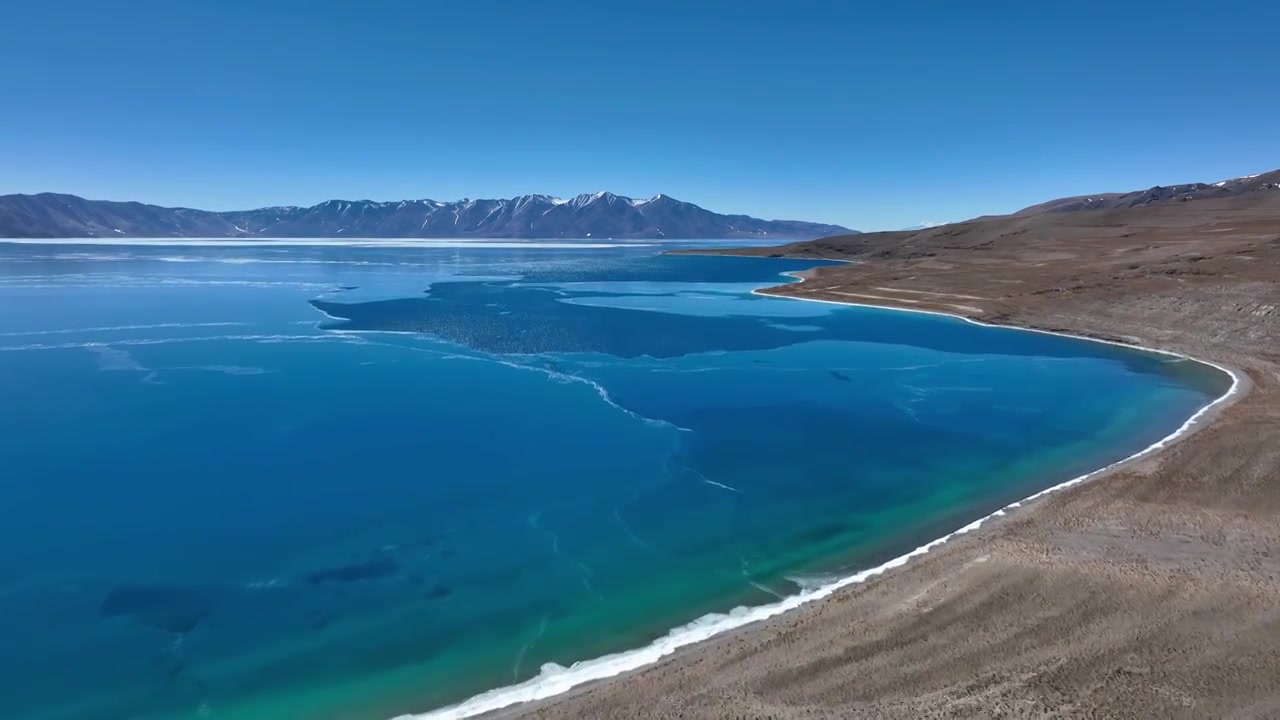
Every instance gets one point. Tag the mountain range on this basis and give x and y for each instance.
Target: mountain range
(1240, 188)
(598, 215)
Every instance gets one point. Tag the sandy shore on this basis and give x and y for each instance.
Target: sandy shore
(1151, 592)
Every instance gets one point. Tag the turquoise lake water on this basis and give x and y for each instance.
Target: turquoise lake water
(343, 482)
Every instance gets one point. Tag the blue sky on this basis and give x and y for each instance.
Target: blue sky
(869, 114)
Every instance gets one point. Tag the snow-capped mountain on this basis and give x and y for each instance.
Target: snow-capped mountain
(597, 215)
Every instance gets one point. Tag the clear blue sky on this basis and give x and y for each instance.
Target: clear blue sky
(869, 114)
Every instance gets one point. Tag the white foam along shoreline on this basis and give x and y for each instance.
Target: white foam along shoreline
(554, 679)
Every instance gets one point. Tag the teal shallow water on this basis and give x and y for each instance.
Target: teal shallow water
(343, 482)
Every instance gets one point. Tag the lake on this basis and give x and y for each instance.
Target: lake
(253, 481)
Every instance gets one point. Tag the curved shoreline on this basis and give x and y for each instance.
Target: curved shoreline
(555, 680)
(1236, 376)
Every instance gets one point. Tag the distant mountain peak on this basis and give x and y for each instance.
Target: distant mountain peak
(656, 198)
(1233, 181)
(599, 214)
(926, 225)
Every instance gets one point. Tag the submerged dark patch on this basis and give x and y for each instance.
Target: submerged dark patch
(170, 609)
(355, 572)
(824, 532)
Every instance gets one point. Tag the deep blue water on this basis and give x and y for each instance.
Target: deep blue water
(342, 482)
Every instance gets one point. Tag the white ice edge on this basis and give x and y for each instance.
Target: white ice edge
(555, 679)
(323, 242)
